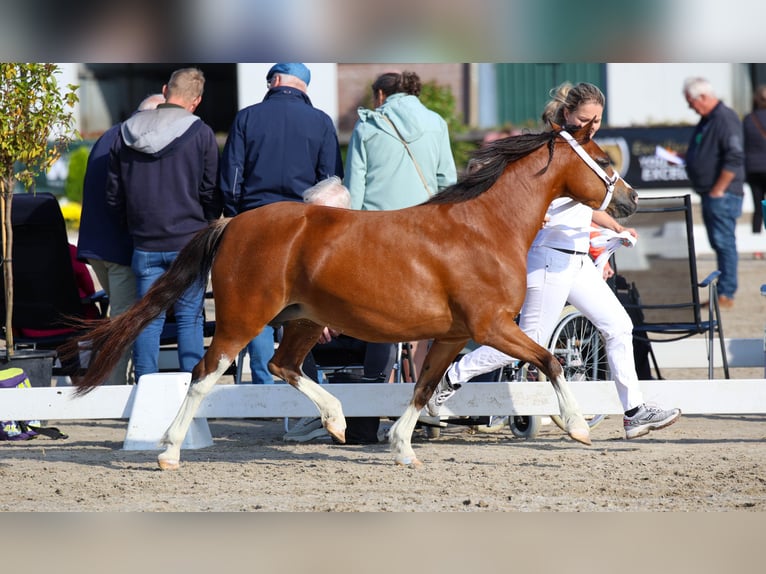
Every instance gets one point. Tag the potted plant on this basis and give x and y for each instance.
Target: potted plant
(36, 125)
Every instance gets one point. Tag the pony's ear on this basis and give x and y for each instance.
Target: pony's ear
(583, 132)
(554, 126)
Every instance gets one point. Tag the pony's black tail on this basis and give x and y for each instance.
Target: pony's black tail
(107, 340)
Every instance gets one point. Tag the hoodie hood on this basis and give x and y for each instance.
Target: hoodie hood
(404, 111)
(152, 131)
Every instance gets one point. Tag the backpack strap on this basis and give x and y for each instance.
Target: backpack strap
(409, 152)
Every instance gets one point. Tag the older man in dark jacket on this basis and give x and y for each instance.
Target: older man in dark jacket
(275, 150)
(715, 166)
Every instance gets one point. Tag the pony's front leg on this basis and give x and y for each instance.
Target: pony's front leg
(400, 437)
(574, 423)
(170, 458)
(330, 409)
(516, 343)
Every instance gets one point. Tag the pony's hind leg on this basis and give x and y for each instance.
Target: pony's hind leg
(298, 339)
(203, 380)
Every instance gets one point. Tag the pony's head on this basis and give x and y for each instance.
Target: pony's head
(587, 166)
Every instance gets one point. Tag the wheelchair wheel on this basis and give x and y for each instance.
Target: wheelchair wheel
(581, 350)
(525, 427)
(522, 426)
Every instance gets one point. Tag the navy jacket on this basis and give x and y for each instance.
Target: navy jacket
(162, 177)
(101, 234)
(716, 145)
(275, 150)
(755, 142)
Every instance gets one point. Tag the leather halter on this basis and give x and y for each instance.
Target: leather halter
(608, 181)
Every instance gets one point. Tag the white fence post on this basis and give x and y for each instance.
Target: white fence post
(156, 403)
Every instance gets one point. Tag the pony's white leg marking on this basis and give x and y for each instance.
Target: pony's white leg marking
(401, 435)
(574, 422)
(329, 407)
(174, 436)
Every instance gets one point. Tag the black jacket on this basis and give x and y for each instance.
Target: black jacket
(162, 177)
(716, 145)
(755, 142)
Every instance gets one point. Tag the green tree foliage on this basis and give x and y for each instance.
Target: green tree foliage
(441, 100)
(34, 111)
(78, 161)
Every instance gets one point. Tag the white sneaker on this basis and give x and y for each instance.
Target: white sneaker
(306, 429)
(384, 432)
(444, 390)
(496, 423)
(648, 419)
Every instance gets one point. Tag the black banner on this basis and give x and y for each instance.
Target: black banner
(646, 157)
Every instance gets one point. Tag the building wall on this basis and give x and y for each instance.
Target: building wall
(323, 87)
(639, 94)
(643, 94)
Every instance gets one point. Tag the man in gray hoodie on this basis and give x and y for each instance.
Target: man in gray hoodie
(162, 185)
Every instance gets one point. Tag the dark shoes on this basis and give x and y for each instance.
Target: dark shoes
(724, 302)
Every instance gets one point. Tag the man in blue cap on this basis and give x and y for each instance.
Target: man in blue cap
(275, 150)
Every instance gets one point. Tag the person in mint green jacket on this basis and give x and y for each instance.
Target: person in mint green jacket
(398, 156)
(399, 153)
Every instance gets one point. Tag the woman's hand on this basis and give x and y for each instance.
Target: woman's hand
(327, 335)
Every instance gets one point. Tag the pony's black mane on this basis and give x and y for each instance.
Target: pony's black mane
(493, 160)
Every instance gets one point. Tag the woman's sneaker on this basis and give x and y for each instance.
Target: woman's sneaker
(306, 429)
(648, 419)
(496, 424)
(444, 390)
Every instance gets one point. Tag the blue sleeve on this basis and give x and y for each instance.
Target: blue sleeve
(210, 195)
(115, 192)
(733, 145)
(232, 165)
(330, 162)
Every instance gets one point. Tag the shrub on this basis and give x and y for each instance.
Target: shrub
(78, 161)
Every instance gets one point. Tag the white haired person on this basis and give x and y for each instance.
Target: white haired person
(377, 361)
(330, 192)
(715, 164)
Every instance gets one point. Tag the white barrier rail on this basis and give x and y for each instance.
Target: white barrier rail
(151, 405)
(692, 353)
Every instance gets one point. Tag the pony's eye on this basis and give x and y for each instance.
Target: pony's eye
(603, 162)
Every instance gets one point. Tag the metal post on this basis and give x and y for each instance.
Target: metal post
(763, 292)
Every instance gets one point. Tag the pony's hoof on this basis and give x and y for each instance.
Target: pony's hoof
(581, 436)
(168, 464)
(336, 431)
(410, 463)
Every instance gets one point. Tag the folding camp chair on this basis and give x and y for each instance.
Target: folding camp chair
(45, 291)
(663, 264)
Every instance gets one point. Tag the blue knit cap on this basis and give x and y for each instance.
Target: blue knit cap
(293, 68)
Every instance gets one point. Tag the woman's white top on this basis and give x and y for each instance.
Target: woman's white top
(569, 226)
